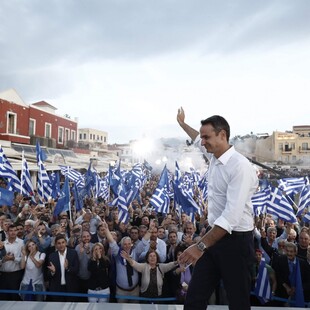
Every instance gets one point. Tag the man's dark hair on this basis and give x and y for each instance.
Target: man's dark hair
(218, 123)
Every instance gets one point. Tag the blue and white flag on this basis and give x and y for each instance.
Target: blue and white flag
(260, 201)
(63, 203)
(7, 172)
(26, 184)
(160, 199)
(278, 205)
(184, 198)
(44, 184)
(73, 175)
(292, 185)
(304, 200)
(6, 197)
(262, 286)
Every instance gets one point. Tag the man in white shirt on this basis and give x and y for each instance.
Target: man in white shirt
(10, 269)
(226, 251)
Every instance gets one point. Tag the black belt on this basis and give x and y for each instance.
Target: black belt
(241, 233)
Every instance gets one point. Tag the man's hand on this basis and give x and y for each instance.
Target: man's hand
(190, 255)
(180, 116)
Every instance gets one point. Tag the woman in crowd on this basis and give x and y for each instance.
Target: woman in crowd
(152, 273)
(32, 261)
(98, 266)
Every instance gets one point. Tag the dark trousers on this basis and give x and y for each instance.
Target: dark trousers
(11, 281)
(230, 259)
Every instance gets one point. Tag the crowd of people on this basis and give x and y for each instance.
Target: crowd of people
(92, 253)
(92, 256)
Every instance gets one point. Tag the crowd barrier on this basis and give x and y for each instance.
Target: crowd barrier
(134, 298)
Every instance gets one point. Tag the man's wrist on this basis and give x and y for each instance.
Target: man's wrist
(201, 246)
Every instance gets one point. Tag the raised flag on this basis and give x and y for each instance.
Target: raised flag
(262, 286)
(6, 197)
(160, 199)
(278, 205)
(7, 172)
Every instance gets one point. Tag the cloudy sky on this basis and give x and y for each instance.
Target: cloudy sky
(126, 66)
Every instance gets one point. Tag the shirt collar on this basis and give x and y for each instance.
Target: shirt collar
(224, 158)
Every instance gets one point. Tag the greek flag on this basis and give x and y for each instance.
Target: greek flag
(7, 172)
(26, 184)
(280, 206)
(44, 183)
(262, 287)
(160, 199)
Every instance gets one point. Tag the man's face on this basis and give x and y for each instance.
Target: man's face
(61, 245)
(12, 233)
(127, 244)
(172, 238)
(20, 231)
(304, 240)
(211, 140)
(134, 234)
(290, 253)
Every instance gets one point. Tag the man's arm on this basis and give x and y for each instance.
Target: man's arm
(193, 253)
(191, 132)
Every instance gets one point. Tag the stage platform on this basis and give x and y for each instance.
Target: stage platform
(32, 305)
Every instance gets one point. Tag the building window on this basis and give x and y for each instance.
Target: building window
(105, 139)
(281, 146)
(84, 136)
(67, 135)
(11, 122)
(90, 136)
(293, 146)
(32, 127)
(60, 135)
(81, 136)
(48, 130)
(72, 135)
(304, 146)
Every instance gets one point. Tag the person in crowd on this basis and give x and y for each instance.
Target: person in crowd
(32, 261)
(63, 267)
(269, 241)
(172, 243)
(20, 231)
(75, 236)
(83, 250)
(152, 273)
(40, 236)
(127, 279)
(255, 300)
(232, 181)
(189, 234)
(151, 241)
(11, 270)
(303, 244)
(99, 236)
(2, 232)
(134, 236)
(93, 220)
(99, 268)
(287, 275)
(181, 276)
(162, 233)
(142, 231)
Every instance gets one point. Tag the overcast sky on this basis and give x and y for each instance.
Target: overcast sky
(125, 67)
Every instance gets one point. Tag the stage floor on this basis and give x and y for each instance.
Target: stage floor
(31, 305)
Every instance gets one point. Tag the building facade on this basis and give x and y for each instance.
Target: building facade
(22, 123)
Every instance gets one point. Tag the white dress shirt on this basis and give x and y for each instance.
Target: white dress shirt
(232, 181)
